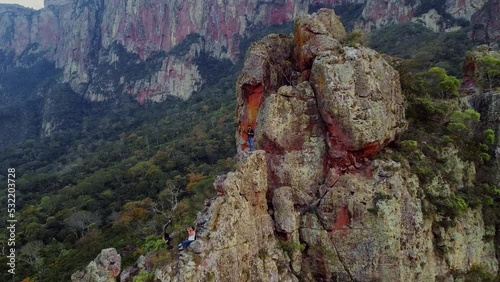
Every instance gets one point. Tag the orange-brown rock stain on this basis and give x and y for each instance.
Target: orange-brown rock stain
(469, 80)
(342, 220)
(252, 98)
(341, 154)
(300, 39)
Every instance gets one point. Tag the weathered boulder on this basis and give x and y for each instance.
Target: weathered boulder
(359, 98)
(285, 217)
(105, 268)
(290, 130)
(128, 274)
(315, 34)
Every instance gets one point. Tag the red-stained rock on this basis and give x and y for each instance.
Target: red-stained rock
(316, 34)
(267, 67)
(75, 36)
(253, 97)
(354, 108)
(360, 100)
(469, 69)
(342, 220)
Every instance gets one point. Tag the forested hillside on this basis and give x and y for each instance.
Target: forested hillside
(112, 177)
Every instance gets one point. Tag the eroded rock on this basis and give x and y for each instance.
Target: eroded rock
(105, 268)
(360, 100)
(311, 204)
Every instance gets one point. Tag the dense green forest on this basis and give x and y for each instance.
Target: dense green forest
(412, 41)
(117, 171)
(113, 178)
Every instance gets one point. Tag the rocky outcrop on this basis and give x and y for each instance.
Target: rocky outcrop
(311, 204)
(236, 242)
(486, 22)
(156, 38)
(479, 69)
(105, 268)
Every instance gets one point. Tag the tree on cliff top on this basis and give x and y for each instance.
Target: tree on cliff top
(491, 67)
(437, 83)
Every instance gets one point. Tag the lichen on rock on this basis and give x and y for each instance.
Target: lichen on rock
(312, 203)
(105, 268)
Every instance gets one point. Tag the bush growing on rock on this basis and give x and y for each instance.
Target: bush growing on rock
(491, 68)
(356, 38)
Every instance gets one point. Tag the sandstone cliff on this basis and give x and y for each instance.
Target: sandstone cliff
(106, 48)
(312, 204)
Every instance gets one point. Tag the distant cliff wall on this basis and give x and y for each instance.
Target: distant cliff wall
(147, 48)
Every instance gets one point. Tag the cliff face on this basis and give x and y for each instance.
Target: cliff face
(94, 42)
(487, 22)
(311, 204)
(87, 38)
(480, 80)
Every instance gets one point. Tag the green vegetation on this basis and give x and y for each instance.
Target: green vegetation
(491, 69)
(349, 13)
(437, 83)
(183, 47)
(443, 141)
(115, 173)
(213, 69)
(144, 276)
(425, 47)
(479, 273)
(128, 67)
(290, 247)
(21, 85)
(440, 127)
(355, 38)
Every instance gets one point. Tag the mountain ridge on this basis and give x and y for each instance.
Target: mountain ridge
(79, 35)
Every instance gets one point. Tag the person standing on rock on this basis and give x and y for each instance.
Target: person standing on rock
(251, 134)
(191, 237)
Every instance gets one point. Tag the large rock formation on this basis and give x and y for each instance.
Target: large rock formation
(311, 204)
(105, 268)
(147, 48)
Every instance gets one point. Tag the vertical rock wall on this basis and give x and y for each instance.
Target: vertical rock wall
(79, 36)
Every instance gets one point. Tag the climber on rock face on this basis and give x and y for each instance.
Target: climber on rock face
(191, 237)
(251, 134)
